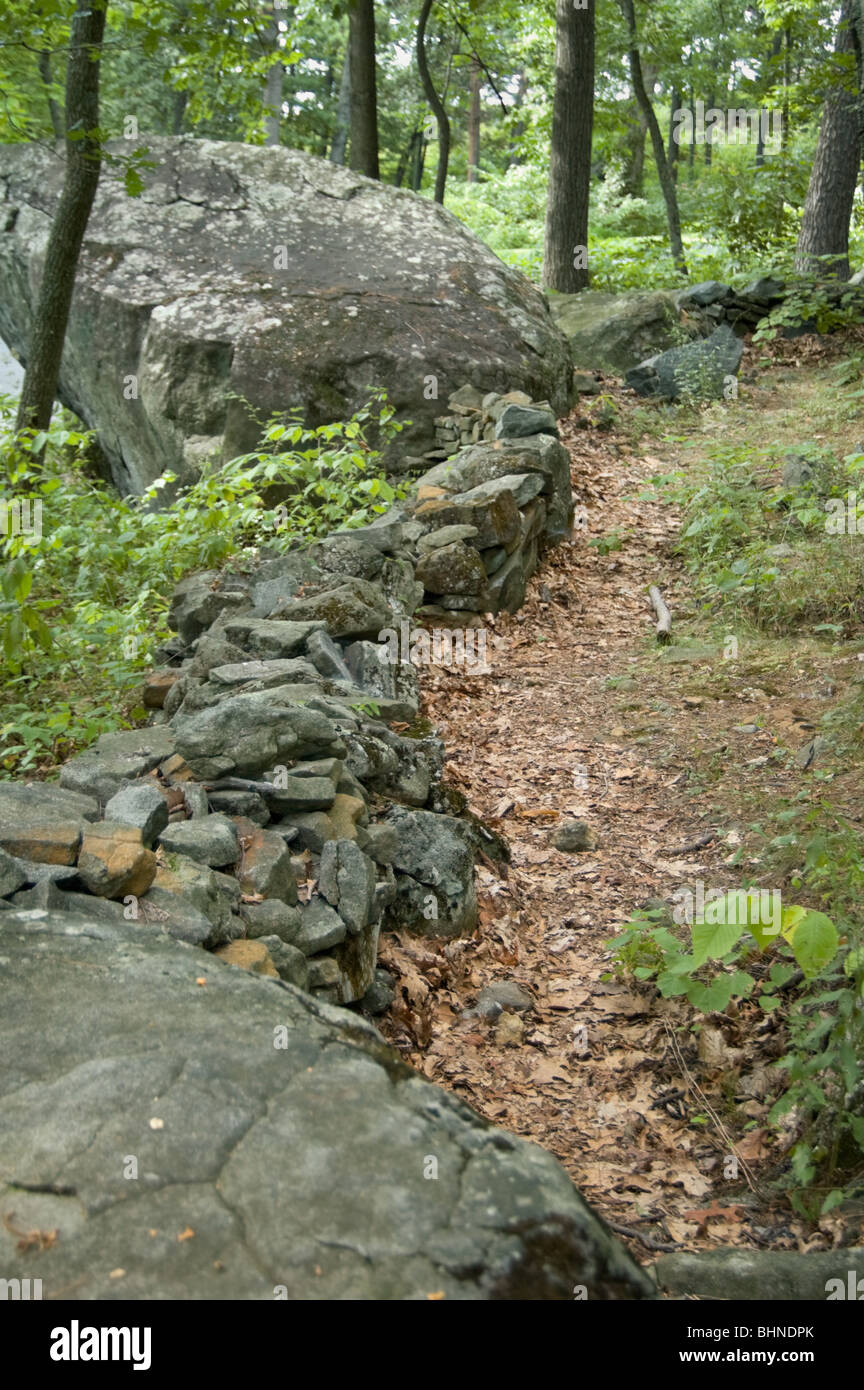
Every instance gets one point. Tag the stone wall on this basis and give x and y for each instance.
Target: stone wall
(294, 822)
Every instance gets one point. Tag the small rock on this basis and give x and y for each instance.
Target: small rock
(266, 866)
(291, 964)
(210, 840)
(573, 837)
(323, 973)
(380, 994)
(509, 1030)
(518, 421)
(249, 955)
(271, 918)
(321, 928)
(12, 874)
(503, 994)
(113, 861)
(142, 805)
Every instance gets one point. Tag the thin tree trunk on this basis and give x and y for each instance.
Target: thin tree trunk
(518, 129)
(83, 166)
(667, 183)
(343, 112)
(364, 89)
(53, 104)
(709, 149)
(435, 102)
(179, 112)
(565, 247)
(673, 149)
(272, 93)
(834, 176)
(474, 124)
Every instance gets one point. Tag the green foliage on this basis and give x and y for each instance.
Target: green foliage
(733, 927)
(814, 301)
(759, 548)
(84, 603)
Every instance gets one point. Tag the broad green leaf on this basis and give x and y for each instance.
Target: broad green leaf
(813, 938)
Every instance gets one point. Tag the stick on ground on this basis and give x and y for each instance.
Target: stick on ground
(664, 617)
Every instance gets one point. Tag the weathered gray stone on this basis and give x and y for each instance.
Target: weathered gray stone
(266, 866)
(140, 804)
(266, 637)
(346, 878)
(613, 332)
(327, 657)
(44, 821)
(301, 794)
(435, 874)
(515, 421)
(524, 487)
(12, 874)
(700, 369)
(199, 599)
(179, 287)
(355, 608)
(455, 569)
(446, 535)
(115, 759)
(171, 913)
(392, 685)
(290, 963)
(262, 675)
(210, 840)
(245, 734)
(321, 928)
(754, 1275)
(271, 918)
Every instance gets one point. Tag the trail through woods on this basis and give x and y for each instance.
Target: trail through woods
(584, 716)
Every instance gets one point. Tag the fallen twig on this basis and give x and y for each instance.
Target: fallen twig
(664, 617)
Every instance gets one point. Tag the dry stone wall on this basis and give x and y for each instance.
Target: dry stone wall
(271, 812)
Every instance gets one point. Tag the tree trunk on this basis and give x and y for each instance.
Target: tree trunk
(566, 239)
(272, 93)
(518, 129)
(364, 90)
(343, 112)
(673, 149)
(83, 166)
(435, 102)
(667, 183)
(474, 124)
(833, 178)
(53, 105)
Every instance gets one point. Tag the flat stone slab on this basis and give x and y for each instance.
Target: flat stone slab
(279, 1144)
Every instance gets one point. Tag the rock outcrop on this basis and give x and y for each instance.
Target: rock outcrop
(188, 1130)
(265, 275)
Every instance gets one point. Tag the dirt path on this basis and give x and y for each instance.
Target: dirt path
(584, 717)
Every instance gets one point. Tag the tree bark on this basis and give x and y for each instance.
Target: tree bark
(272, 93)
(834, 176)
(364, 90)
(667, 183)
(673, 149)
(474, 124)
(566, 234)
(83, 166)
(435, 102)
(343, 112)
(53, 105)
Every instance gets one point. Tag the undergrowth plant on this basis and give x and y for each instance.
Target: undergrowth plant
(83, 603)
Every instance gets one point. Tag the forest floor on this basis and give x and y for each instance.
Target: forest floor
(669, 754)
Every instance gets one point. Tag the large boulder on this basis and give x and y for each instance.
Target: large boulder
(702, 369)
(264, 275)
(612, 332)
(196, 1131)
